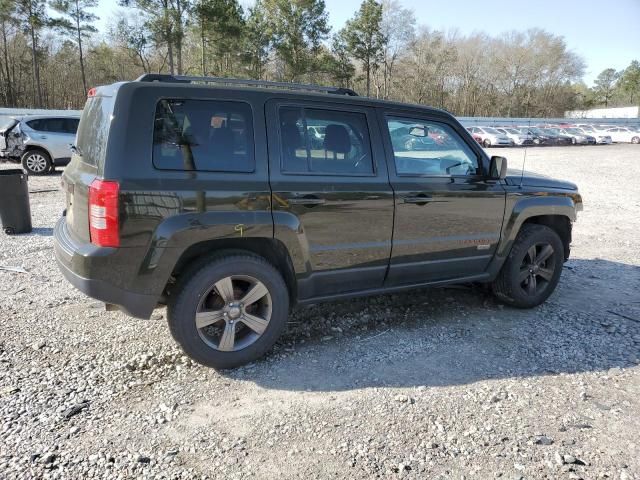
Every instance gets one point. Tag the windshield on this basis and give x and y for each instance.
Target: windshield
(491, 130)
(512, 130)
(573, 131)
(554, 131)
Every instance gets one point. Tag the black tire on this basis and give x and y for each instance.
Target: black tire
(36, 162)
(510, 287)
(196, 284)
(635, 140)
(486, 142)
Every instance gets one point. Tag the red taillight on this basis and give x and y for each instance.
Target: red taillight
(92, 92)
(103, 213)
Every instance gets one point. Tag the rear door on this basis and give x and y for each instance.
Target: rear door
(448, 216)
(331, 194)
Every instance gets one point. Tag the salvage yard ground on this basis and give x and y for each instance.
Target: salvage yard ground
(436, 384)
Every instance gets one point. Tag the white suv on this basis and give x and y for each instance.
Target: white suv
(39, 142)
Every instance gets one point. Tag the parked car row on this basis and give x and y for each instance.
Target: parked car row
(554, 135)
(41, 143)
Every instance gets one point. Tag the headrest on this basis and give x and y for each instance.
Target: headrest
(337, 139)
(291, 137)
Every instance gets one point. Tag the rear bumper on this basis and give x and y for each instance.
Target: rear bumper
(76, 260)
(61, 162)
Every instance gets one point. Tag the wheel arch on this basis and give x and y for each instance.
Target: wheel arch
(32, 147)
(560, 224)
(271, 249)
(557, 212)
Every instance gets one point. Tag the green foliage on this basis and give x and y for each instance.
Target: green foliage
(364, 38)
(379, 51)
(220, 24)
(76, 23)
(257, 41)
(604, 85)
(629, 82)
(298, 27)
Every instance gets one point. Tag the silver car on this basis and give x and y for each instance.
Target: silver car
(39, 142)
(578, 137)
(601, 138)
(490, 137)
(517, 136)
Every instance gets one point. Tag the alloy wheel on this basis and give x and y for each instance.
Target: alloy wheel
(233, 313)
(537, 269)
(36, 163)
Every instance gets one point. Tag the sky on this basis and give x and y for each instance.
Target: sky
(604, 33)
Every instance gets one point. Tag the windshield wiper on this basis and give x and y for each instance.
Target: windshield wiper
(75, 149)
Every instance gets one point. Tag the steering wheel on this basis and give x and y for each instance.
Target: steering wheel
(452, 166)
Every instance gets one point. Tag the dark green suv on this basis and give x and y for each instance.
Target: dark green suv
(231, 200)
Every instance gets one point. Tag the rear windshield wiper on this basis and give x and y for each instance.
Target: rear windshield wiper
(76, 149)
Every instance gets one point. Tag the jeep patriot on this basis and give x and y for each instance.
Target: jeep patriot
(230, 200)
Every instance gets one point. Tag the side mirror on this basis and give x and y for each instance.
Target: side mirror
(421, 131)
(498, 168)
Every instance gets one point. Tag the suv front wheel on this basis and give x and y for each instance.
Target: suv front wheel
(532, 269)
(229, 310)
(36, 162)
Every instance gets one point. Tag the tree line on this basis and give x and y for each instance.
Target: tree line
(52, 53)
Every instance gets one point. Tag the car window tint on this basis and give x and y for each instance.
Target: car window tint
(324, 142)
(36, 125)
(71, 125)
(203, 135)
(55, 125)
(429, 148)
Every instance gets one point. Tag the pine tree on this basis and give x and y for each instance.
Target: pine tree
(363, 34)
(77, 23)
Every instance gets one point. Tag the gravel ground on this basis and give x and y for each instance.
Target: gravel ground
(439, 384)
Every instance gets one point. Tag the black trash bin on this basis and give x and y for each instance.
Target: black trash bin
(15, 212)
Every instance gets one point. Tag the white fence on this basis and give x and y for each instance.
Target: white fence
(5, 113)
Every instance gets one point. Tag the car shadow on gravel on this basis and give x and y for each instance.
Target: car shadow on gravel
(41, 231)
(461, 335)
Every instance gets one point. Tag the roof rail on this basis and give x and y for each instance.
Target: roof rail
(159, 77)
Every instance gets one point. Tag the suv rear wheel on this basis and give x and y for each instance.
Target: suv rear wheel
(36, 162)
(228, 311)
(532, 270)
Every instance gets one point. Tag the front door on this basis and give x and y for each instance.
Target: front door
(448, 216)
(332, 202)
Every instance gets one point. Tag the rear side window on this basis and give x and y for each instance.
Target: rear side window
(52, 125)
(71, 125)
(324, 142)
(206, 135)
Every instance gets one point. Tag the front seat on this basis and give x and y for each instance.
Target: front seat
(337, 141)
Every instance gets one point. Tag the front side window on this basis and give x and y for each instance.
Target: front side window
(429, 148)
(324, 142)
(207, 135)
